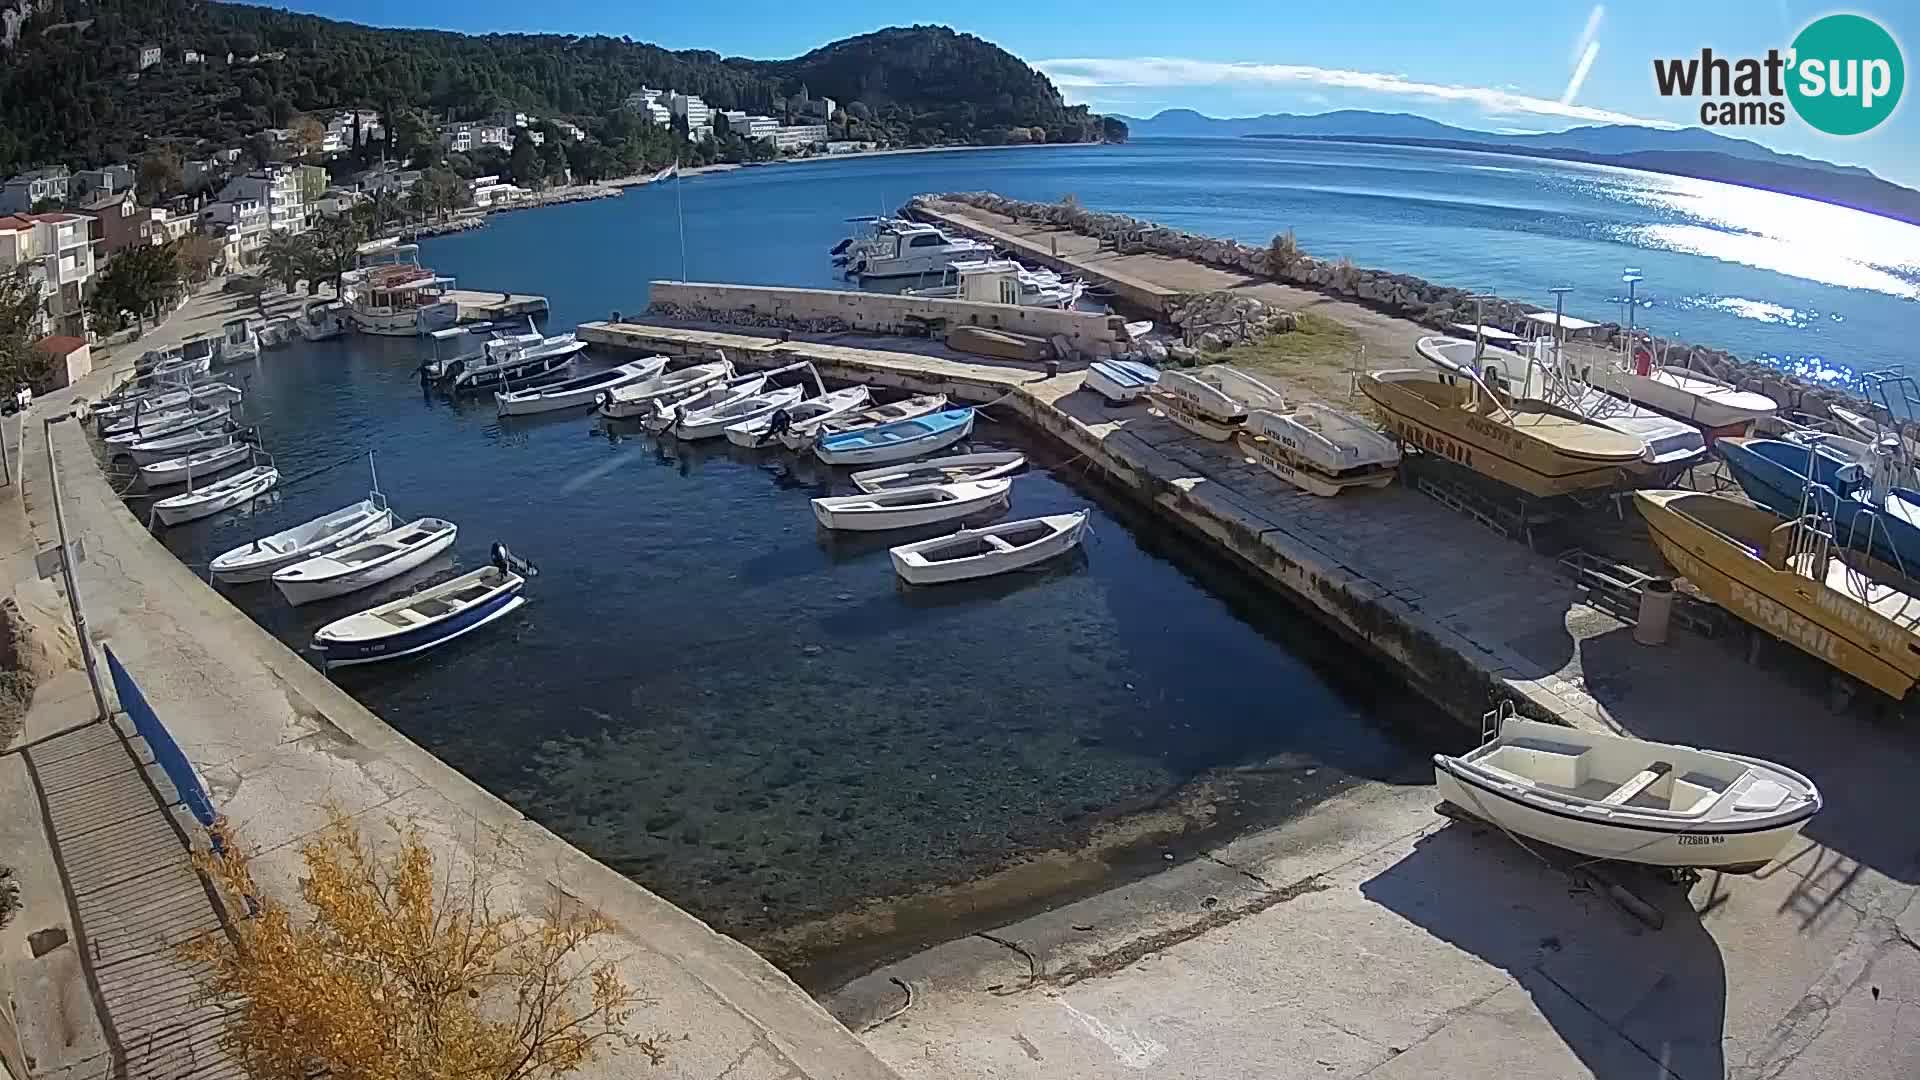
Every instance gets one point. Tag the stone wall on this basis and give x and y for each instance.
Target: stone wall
(1404, 295)
(1087, 333)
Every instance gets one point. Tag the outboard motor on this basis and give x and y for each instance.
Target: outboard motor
(510, 563)
(777, 424)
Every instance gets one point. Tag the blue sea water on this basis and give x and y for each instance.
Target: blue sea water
(1811, 286)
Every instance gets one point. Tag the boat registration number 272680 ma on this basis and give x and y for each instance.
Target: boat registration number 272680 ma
(1690, 841)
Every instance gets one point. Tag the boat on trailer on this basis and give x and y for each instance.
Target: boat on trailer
(639, 399)
(1630, 800)
(223, 494)
(951, 469)
(427, 619)
(905, 508)
(1213, 402)
(994, 549)
(1320, 449)
(583, 390)
(368, 562)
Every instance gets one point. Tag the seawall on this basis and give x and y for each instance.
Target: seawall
(275, 741)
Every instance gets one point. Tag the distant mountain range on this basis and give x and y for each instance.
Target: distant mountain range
(1692, 152)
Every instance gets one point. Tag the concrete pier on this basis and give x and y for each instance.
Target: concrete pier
(477, 305)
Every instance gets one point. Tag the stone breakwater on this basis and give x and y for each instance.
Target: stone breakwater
(1409, 297)
(666, 309)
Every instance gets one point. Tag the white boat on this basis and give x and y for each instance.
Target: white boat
(639, 399)
(1538, 375)
(258, 559)
(907, 507)
(1119, 381)
(238, 342)
(277, 332)
(222, 494)
(901, 440)
(1003, 281)
(367, 562)
(858, 244)
(186, 442)
(952, 469)
(744, 413)
(907, 249)
(321, 320)
(206, 394)
(203, 462)
(1321, 449)
(195, 359)
(581, 390)
(1630, 800)
(1693, 396)
(993, 549)
(872, 416)
(389, 293)
(176, 423)
(1212, 402)
(668, 414)
(507, 359)
(426, 620)
(799, 420)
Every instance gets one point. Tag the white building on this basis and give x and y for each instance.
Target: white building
(725, 119)
(107, 180)
(571, 131)
(755, 127)
(277, 188)
(189, 56)
(465, 138)
(149, 56)
(821, 107)
(799, 136)
(242, 224)
(58, 249)
(490, 192)
(698, 115)
(644, 97)
(20, 194)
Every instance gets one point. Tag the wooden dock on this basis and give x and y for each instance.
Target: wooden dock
(480, 306)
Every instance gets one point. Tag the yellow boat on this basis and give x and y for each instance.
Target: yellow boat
(1528, 444)
(1782, 577)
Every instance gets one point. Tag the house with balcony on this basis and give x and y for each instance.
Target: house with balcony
(697, 113)
(277, 188)
(107, 180)
(149, 56)
(57, 249)
(242, 225)
(120, 223)
(466, 137)
(22, 193)
(799, 137)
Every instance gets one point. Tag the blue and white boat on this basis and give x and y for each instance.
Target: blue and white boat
(427, 619)
(898, 441)
(1774, 474)
(1119, 381)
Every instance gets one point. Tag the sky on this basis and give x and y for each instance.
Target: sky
(1496, 65)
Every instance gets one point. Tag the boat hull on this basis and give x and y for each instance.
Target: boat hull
(171, 513)
(1272, 456)
(1119, 382)
(1719, 408)
(416, 640)
(1191, 415)
(1888, 534)
(834, 517)
(176, 471)
(903, 450)
(626, 406)
(234, 568)
(917, 571)
(1708, 848)
(946, 470)
(309, 590)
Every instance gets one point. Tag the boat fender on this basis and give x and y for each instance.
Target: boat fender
(506, 560)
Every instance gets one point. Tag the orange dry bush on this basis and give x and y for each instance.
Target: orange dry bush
(395, 978)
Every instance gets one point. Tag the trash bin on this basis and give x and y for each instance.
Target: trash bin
(1656, 611)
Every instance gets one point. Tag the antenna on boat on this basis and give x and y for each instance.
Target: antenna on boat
(1560, 327)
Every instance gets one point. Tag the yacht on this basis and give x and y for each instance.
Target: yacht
(909, 250)
(1003, 281)
(391, 294)
(511, 360)
(321, 320)
(238, 342)
(856, 246)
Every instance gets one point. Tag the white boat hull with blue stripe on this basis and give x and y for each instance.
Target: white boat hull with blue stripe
(902, 440)
(426, 620)
(1119, 381)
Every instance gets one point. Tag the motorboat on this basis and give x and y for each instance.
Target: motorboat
(1693, 396)
(174, 424)
(1119, 382)
(389, 293)
(1541, 374)
(1320, 449)
(952, 469)
(872, 416)
(1782, 576)
(186, 442)
(904, 508)
(427, 619)
(203, 462)
(238, 342)
(367, 562)
(638, 399)
(898, 441)
(909, 249)
(1536, 447)
(578, 391)
(667, 415)
(211, 394)
(257, 559)
(277, 333)
(857, 245)
(1630, 800)
(1212, 402)
(1869, 511)
(223, 494)
(322, 320)
(992, 549)
(1003, 281)
(507, 358)
(142, 418)
(195, 357)
(806, 416)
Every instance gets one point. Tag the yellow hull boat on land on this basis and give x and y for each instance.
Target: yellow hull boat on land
(1531, 445)
(1782, 577)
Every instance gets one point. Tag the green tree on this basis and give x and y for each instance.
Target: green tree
(331, 247)
(197, 252)
(440, 192)
(138, 281)
(20, 303)
(523, 165)
(285, 258)
(410, 138)
(553, 161)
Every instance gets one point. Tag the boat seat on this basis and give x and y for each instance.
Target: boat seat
(1762, 797)
(1562, 766)
(997, 543)
(1640, 782)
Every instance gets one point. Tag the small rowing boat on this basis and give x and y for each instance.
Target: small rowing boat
(1212, 402)
(874, 416)
(429, 618)
(368, 562)
(223, 494)
(639, 399)
(190, 421)
(258, 559)
(583, 390)
(1119, 381)
(668, 414)
(942, 470)
(995, 549)
(204, 462)
(800, 420)
(906, 508)
(1320, 449)
(186, 442)
(898, 441)
(743, 412)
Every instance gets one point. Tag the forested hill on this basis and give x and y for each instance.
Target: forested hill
(66, 96)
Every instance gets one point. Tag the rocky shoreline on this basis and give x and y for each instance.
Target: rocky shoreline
(1403, 295)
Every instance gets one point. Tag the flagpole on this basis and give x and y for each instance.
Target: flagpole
(679, 212)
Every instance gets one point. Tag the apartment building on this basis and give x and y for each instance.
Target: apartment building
(799, 136)
(58, 251)
(22, 193)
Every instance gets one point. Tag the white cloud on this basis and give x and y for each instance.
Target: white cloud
(1158, 71)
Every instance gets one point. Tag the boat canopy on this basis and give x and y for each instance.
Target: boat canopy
(452, 332)
(416, 283)
(1564, 322)
(1491, 333)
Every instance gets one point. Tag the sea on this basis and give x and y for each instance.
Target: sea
(755, 720)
